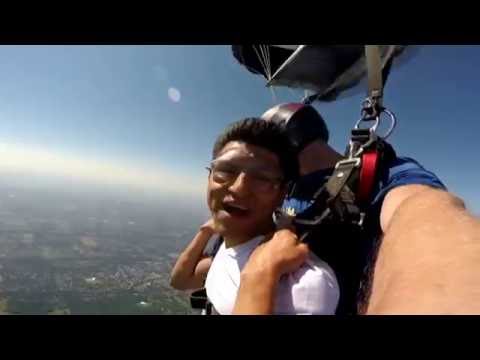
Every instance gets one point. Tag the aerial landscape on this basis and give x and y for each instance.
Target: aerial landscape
(72, 253)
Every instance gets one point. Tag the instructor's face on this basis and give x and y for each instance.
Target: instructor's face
(244, 188)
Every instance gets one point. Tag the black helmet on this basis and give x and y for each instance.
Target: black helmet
(302, 122)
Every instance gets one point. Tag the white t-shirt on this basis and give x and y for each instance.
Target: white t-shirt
(312, 289)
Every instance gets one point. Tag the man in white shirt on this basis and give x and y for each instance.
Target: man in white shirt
(251, 168)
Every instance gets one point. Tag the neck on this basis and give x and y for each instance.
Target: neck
(232, 240)
(317, 156)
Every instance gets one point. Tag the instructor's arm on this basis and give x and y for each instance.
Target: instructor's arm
(429, 258)
(428, 261)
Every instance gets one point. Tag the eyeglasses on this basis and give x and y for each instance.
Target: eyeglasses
(259, 179)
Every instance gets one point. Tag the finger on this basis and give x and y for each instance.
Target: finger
(303, 248)
(301, 254)
(290, 235)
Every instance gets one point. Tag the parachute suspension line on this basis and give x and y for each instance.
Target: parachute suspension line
(269, 63)
(265, 54)
(260, 57)
(262, 51)
(274, 96)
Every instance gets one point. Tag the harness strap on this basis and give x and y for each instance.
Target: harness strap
(374, 73)
(368, 172)
(341, 175)
(199, 300)
(344, 197)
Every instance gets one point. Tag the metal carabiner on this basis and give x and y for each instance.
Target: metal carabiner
(392, 126)
(377, 120)
(371, 108)
(372, 128)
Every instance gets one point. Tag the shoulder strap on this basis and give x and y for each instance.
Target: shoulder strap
(199, 298)
(215, 247)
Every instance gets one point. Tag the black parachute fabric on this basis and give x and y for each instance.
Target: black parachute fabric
(330, 71)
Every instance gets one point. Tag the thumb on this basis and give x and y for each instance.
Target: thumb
(302, 250)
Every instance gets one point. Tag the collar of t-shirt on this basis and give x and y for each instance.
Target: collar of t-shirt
(243, 251)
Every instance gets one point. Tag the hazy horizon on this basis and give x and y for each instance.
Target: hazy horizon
(146, 117)
(103, 152)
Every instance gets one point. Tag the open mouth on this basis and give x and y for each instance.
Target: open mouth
(235, 210)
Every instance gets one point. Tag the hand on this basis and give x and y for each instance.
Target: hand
(209, 226)
(280, 255)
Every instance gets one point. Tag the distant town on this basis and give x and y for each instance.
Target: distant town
(61, 254)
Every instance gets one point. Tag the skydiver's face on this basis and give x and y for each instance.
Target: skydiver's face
(244, 188)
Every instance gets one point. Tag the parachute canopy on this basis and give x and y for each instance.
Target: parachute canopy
(327, 70)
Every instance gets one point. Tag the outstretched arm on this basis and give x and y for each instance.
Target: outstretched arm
(429, 258)
(191, 268)
(428, 261)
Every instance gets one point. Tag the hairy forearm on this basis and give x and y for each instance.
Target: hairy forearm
(183, 273)
(429, 259)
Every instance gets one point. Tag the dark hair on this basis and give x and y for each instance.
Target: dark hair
(265, 134)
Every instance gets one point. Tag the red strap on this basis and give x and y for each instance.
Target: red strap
(367, 175)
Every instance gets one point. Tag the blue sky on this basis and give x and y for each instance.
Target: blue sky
(148, 115)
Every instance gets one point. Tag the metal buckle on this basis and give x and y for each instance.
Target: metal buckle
(362, 218)
(355, 161)
(373, 131)
(377, 119)
(373, 128)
